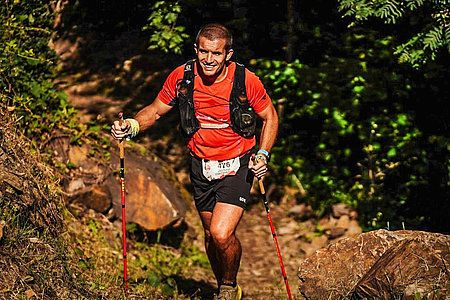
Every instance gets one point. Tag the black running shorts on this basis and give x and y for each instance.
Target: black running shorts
(233, 189)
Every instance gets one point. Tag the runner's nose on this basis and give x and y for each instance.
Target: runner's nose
(209, 59)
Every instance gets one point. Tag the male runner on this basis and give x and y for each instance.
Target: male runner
(220, 159)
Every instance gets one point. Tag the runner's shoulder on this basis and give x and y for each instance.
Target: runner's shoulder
(251, 77)
(178, 71)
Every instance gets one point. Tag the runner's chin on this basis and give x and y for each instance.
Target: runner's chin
(209, 71)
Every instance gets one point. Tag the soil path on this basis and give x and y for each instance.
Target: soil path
(260, 274)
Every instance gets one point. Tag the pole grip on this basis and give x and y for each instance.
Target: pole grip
(261, 186)
(121, 146)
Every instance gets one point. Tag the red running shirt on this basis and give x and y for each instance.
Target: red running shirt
(212, 109)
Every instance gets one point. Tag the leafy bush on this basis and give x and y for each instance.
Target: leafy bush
(28, 68)
(348, 134)
(166, 36)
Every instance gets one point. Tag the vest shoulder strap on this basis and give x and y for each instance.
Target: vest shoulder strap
(189, 70)
(188, 77)
(239, 79)
(185, 95)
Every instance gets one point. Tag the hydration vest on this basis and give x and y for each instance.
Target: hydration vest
(242, 115)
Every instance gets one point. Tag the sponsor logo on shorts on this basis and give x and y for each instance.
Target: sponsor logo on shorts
(242, 199)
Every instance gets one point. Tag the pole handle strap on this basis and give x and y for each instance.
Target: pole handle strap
(121, 146)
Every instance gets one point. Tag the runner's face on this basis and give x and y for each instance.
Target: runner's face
(212, 56)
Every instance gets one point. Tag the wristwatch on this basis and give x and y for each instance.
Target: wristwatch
(265, 153)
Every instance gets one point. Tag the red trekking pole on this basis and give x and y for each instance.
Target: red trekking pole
(122, 185)
(266, 204)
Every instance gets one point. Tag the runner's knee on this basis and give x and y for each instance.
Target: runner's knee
(221, 237)
(207, 235)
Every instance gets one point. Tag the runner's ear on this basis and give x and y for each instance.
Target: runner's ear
(229, 54)
(196, 49)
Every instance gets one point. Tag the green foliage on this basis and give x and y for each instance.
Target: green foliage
(28, 68)
(423, 45)
(163, 266)
(347, 137)
(166, 35)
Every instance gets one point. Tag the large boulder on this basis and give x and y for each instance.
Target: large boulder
(152, 200)
(152, 195)
(379, 265)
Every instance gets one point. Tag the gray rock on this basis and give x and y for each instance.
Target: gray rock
(75, 185)
(341, 209)
(301, 212)
(336, 232)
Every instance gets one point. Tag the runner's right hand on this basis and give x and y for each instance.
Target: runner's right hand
(120, 132)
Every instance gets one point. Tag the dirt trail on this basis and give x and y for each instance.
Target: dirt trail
(260, 273)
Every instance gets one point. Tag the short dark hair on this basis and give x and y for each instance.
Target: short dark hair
(214, 31)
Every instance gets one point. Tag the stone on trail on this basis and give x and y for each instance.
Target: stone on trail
(96, 197)
(152, 199)
(411, 266)
(379, 265)
(301, 212)
(335, 232)
(343, 222)
(341, 209)
(353, 228)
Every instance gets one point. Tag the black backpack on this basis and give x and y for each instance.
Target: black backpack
(242, 115)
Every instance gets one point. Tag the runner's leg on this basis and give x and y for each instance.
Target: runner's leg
(224, 221)
(210, 247)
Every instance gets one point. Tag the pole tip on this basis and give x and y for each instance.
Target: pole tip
(120, 115)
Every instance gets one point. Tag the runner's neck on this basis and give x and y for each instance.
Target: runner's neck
(223, 75)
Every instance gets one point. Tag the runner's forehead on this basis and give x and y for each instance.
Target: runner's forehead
(212, 45)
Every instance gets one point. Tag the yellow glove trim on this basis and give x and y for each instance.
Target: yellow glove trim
(134, 128)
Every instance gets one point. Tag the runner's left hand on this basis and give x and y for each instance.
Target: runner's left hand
(258, 167)
(120, 132)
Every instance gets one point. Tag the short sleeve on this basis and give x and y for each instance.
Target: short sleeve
(256, 93)
(168, 92)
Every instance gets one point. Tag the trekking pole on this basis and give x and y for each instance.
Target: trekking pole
(266, 204)
(122, 188)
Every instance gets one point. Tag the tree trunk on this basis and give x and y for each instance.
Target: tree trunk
(290, 34)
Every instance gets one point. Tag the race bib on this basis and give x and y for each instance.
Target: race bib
(218, 169)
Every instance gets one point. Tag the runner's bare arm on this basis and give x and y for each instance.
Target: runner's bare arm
(270, 127)
(149, 114)
(146, 118)
(268, 135)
